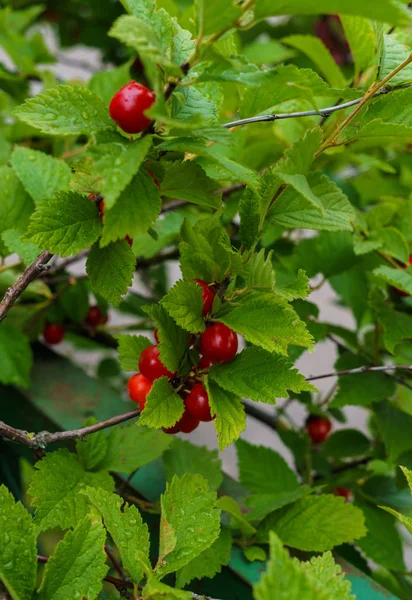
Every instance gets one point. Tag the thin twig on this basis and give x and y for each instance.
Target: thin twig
(64, 264)
(117, 566)
(364, 369)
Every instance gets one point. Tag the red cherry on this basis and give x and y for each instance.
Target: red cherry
(94, 317)
(186, 424)
(154, 178)
(174, 429)
(401, 293)
(197, 403)
(139, 387)
(344, 492)
(156, 336)
(204, 364)
(208, 295)
(219, 343)
(318, 428)
(128, 105)
(129, 240)
(151, 366)
(53, 333)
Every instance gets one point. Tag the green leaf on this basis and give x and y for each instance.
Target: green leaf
(299, 288)
(18, 552)
(230, 414)
(267, 321)
(75, 300)
(187, 181)
(216, 17)
(93, 449)
(394, 52)
(399, 278)
(209, 562)
(16, 205)
(259, 271)
(65, 110)
(173, 340)
(106, 83)
(315, 523)
(361, 38)
(26, 250)
(130, 349)
(319, 54)
(293, 210)
(136, 209)
(397, 326)
(65, 224)
(253, 553)
(41, 174)
(361, 389)
(263, 504)
(229, 505)
(264, 471)
(55, 488)
(288, 579)
(126, 527)
(183, 457)
(392, 242)
(78, 564)
(394, 425)
(115, 165)
(16, 356)
(184, 304)
(110, 270)
(163, 407)
(382, 543)
(249, 213)
(346, 443)
(156, 590)
(191, 107)
(406, 521)
(260, 376)
(190, 522)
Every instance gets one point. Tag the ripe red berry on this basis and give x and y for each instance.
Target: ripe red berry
(318, 428)
(186, 424)
(53, 333)
(218, 343)
(344, 492)
(101, 205)
(128, 105)
(151, 366)
(95, 316)
(174, 429)
(139, 387)
(207, 295)
(204, 364)
(197, 403)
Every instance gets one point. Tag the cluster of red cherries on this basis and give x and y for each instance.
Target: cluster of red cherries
(217, 344)
(53, 333)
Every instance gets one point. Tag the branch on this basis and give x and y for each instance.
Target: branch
(29, 275)
(364, 369)
(64, 263)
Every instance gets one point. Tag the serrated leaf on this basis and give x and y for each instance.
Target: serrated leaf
(115, 165)
(77, 565)
(190, 522)
(399, 278)
(183, 457)
(346, 443)
(65, 224)
(394, 52)
(173, 340)
(230, 418)
(136, 209)
(106, 83)
(16, 205)
(229, 505)
(267, 321)
(18, 552)
(259, 271)
(188, 181)
(190, 105)
(262, 504)
(394, 425)
(57, 481)
(26, 250)
(217, 17)
(329, 574)
(315, 523)
(361, 38)
(249, 213)
(126, 527)
(382, 543)
(110, 270)
(209, 562)
(163, 407)
(156, 590)
(184, 304)
(41, 174)
(65, 110)
(16, 356)
(293, 210)
(130, 349)
(299, 288)
(260, 376)
(392, 242)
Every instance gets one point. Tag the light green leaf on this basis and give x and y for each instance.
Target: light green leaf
(78, 565)
(230, 414)
(382, 543)
(229, 505)
(394, 52)
(315, 523)
(136, 209)
(18, 552)
(191, 106)
(64, 224)
(329, 574)
(110, 270)
(399, 278)
(249, 213)
(253, 553)
(184, 303)
(140, 8)
(259, 271)
(406, 521)
(260, 376)
(263, 504)
(361, 38)
(57, 481)
(394, 425)
(392, 242)
(16, 205)
(16, 356)
(130, 349)
(183, 457)
(173, 340)
(41, 174)
(267, 321)
(299, 288)
(190, 522)
(163, 407)
(318, 53)
(26, 250)
(188, 181)
(106, 83)
(156, 590)
(216, 17)
(65, 110)
(209, 562)
(126, 527)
